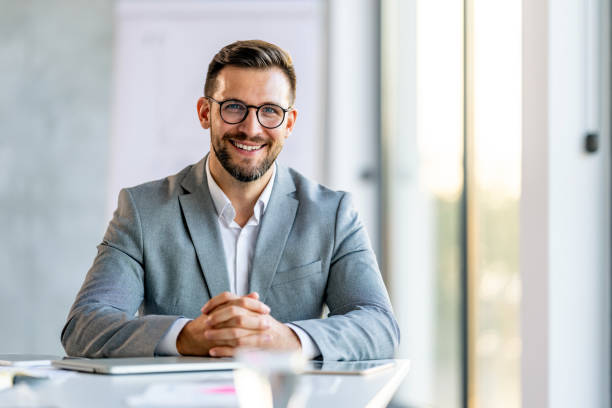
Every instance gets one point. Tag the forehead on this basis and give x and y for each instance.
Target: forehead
(253, 85)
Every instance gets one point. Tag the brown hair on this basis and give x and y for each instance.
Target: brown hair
(250, 54)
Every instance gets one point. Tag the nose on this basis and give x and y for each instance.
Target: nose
(250, 125)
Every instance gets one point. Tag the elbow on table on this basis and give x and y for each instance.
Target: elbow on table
(390, 346)
(68, 341)
(74, 344)
(381, 337)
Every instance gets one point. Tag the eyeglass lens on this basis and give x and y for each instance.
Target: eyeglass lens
(270, 116)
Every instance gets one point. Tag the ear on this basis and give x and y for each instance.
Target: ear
(291, 118)
(203, 107)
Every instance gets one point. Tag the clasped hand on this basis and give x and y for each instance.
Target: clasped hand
(229, 322)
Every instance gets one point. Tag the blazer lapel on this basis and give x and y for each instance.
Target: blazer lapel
(273, 233)
(201, 218)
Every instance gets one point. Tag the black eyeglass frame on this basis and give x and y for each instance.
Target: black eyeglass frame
(257, 108)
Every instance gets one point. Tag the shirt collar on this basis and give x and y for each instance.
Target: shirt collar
(223, 205)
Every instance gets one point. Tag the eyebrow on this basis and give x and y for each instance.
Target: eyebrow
(265, 103)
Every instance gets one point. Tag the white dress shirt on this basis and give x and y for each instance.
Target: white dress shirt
(239, 246)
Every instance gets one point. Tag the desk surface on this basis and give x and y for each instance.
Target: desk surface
(94, 390)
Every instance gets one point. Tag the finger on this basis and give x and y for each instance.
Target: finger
(244, 302)
(225, 313)
(254, 295)
(227, 334)
(256, 340)
(247, 321)
(217, 301)
(222, 351)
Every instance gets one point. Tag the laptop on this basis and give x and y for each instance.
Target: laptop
(145, 365)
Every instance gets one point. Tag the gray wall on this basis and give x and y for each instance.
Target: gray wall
(55, 64)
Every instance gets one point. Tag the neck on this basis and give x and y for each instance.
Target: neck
(242, 195)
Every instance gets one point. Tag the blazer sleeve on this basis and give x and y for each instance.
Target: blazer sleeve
(361, 324)
(102, 321)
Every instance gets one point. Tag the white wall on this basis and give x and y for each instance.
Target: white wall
(565, 208)
(54, 107)
(351, 145)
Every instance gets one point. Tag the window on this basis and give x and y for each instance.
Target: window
(451, 131)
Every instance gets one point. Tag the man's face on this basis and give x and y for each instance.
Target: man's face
(247, 150)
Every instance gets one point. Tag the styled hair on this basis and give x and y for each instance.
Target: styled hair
(250, 54)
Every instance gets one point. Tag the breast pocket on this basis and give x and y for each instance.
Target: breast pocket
(297, 273)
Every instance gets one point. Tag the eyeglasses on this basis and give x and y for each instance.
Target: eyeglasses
(234, 111)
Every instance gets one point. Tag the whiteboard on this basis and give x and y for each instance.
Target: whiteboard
(161, 56)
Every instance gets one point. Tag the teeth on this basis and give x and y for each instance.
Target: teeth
(245, 147)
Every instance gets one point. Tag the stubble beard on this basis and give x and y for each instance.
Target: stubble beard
(241, 173)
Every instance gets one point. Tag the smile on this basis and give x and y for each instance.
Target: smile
(246, 147)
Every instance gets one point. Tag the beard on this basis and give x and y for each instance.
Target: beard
(243, 172)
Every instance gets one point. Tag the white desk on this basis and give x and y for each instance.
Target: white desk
(95, 390)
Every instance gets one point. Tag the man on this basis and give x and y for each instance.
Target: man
(235, 251)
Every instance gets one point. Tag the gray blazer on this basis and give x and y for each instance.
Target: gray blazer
(162, 258)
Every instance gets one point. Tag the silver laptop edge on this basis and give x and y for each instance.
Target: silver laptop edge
(146, 365)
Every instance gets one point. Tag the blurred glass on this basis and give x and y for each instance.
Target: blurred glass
(270, 379)
(494, 168)
(422, 121)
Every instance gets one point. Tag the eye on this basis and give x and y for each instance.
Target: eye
(234, 107)
(271, 110)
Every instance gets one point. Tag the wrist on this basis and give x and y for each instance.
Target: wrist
(187, 344)
(181, 340)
